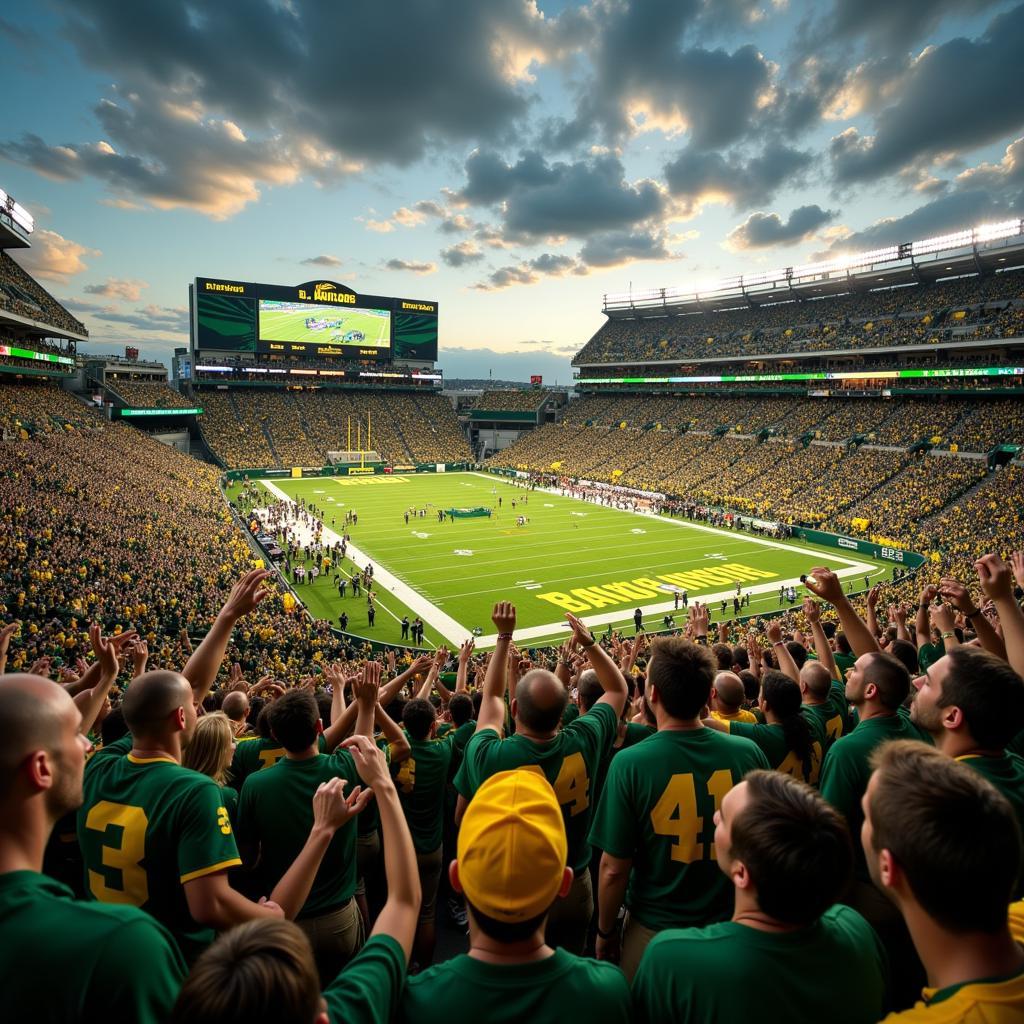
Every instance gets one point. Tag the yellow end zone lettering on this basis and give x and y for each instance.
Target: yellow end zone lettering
(582, 599)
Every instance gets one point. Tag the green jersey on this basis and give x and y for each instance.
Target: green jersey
(844, 662)
(658, 809)
(368, 988)
(70, 961)
(420, 780)
(146, 827)
(1006, 773)
(253, 754)
(460, 740)
(275, 811)
(570, 714)
(928, 654)
(772, 741)
(833, 715)
(834, 970)
(560, 988)
(570, 762)
(845, 771)
(631, 734)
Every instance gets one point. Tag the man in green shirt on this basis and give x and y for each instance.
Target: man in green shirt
(876, 685)
(64, 960)
(971, 703)
(421, 780)
(511, 865)
(788, 856)
(568, 757)
(274, 818)
(942, 843)
(655, 819)
(265, 970)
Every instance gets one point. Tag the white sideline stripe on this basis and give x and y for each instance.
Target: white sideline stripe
(454, 632)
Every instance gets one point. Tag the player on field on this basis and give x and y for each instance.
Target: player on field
(654, 822)
(943, 844)
(512, 866)
(569, 758)
(788, 856)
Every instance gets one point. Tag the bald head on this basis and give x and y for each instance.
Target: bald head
(236, 706)
(151, 698)
(33, 711)
(729, 691)
(540, 700)
(816, 678)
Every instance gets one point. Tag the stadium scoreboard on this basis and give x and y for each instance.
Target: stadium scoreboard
(317, 320)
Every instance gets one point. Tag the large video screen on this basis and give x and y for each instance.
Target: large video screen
(319, 319)
(320, 325)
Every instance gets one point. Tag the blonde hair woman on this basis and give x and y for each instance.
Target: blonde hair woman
(210, 753)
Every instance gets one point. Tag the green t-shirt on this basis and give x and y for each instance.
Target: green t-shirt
(844, 662)
(772, 741)
(146, 827)
(368, 988)
(275, 811)
(460, 740)
(928, 654)
(833, 715)
(1006, 773)
(420, 780)
(570, 714)
(658, 809)
(253, 754)
(835, 970)
(561, 988)
(69, 961)
(633, 733)
(845, 771)
(570, 762)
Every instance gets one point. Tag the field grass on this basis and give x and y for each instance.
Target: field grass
(452, 573)
(290, 325)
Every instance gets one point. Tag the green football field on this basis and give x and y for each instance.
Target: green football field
(598, 562)
(290, 325)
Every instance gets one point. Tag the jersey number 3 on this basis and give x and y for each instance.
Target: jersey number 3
(124, 858)
(675, 814)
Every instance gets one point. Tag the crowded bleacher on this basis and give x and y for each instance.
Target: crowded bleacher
(215, 807)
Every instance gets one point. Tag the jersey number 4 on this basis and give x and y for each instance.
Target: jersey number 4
(675, 814)
(121, 855)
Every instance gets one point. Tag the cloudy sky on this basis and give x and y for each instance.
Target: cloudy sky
(514, 160)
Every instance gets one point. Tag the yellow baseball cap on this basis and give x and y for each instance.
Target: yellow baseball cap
(512, 847)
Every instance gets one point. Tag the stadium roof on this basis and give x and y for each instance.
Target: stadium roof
(987, 248)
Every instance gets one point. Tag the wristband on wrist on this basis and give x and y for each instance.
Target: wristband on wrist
(504, 636)
(585, 644)
(605, 935)
(947, 634)
(972, 615)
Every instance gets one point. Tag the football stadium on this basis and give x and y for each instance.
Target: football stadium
(344, 680)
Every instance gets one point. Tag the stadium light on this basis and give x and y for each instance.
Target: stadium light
(980, 234)
(17, 212)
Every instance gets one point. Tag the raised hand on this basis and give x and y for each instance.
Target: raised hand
(873, 595)
(956, 594)
(824, 583)
(370, 762)
(368, 685)
(994, 576)
(929, 593)
(699, 618)
(246, 594)
(466, 651)
(140, 657)
(812, 610)
(332, 809)
(105, 651)
(580, 633)
(1017, 564)
(504, 617)
(774, 632)
(942, 617)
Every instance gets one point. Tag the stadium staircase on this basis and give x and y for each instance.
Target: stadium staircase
(924, 524)
(270, 444)
(424, 415)
(401, 437)
(234, 406)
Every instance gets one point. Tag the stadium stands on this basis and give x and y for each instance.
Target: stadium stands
(966, 309)
(520, 400)
(20, 293)
(256, 427)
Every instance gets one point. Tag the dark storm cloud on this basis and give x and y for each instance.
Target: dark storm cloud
(695, 175)
(762, 230)
(890, 25)
(544, 200)
(955, 97)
